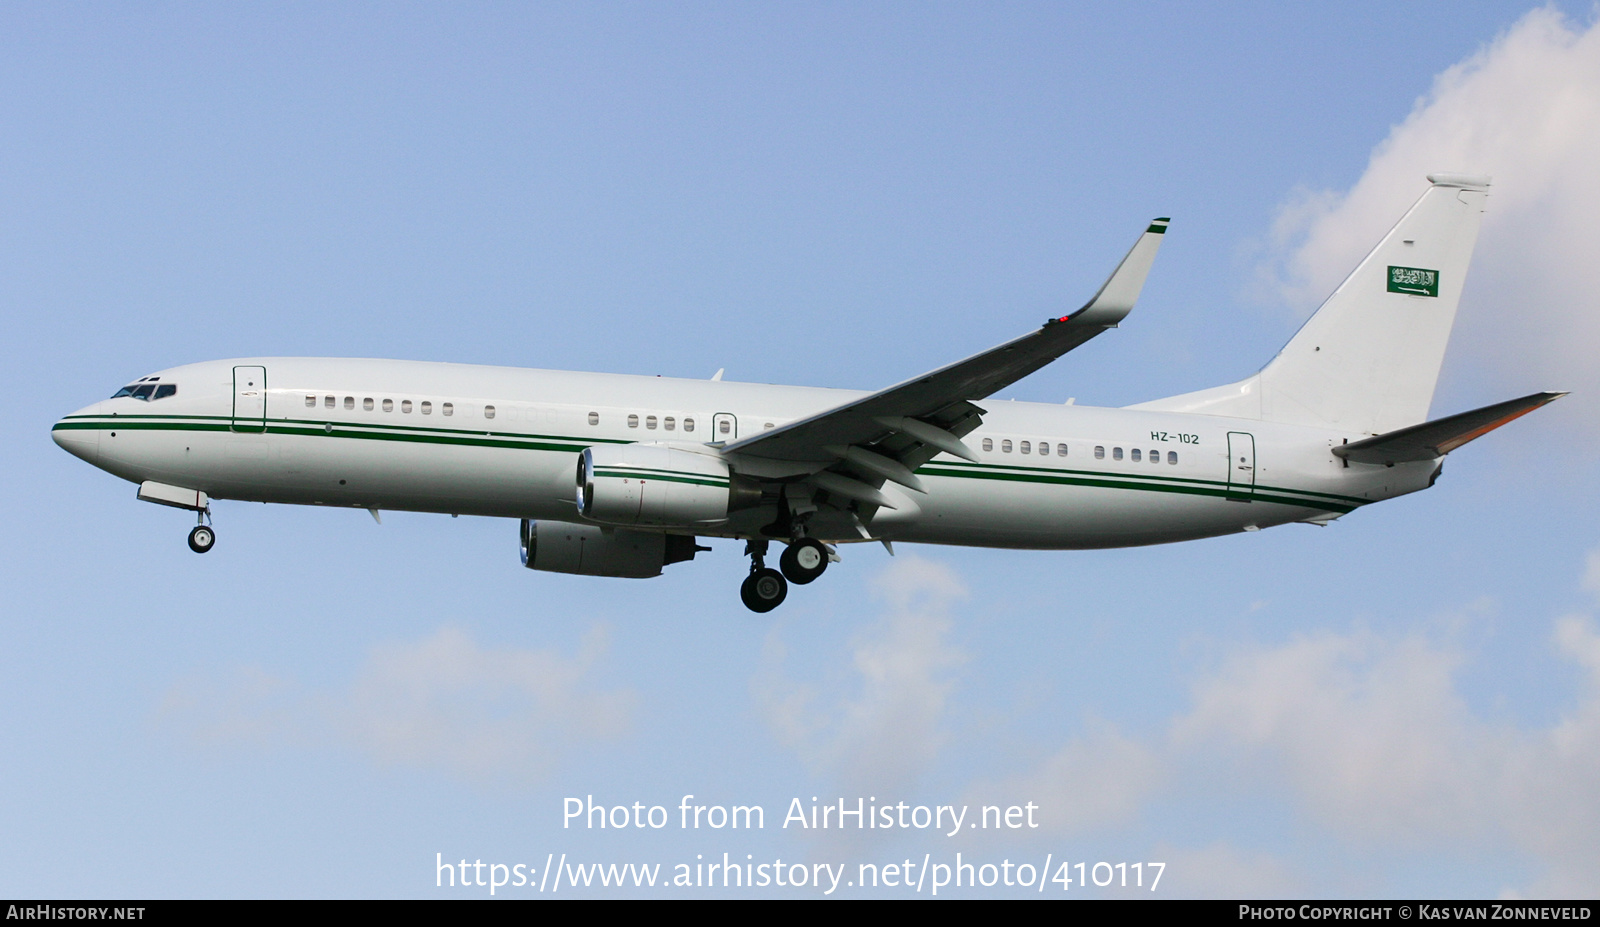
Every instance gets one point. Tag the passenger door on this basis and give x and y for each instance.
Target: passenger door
(250, 400)
(1241, 466)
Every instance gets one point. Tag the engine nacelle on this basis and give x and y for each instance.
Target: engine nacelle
(589, 550)
(650, 484)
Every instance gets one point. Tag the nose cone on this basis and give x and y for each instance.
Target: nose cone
(79, 434)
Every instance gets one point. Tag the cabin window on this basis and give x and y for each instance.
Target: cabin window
(488, 411)
(349, 402)
(1044, 448)
(311, 402)
(594, 418)
(1155, 457)
(366, 403)
(724, 426)
(427, 407)
(1136, 457)
(448, 408)
(650, 422)
(1099, 452)
(688, 424)
(1026, 447)
(405, 406)
(388, 405)
(1172, 457)
(1061, 450)
(669, 423)
(988, 444)
(1005, 446)
(327, 402)
(1116, 453)
(633, 421)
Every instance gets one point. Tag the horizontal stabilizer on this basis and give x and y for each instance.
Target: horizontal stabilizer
(1435, 439)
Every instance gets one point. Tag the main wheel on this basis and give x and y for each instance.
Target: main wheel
(764, 590)
(201, 539)
(804, 560)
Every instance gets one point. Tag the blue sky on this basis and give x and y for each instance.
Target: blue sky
(1406, 703)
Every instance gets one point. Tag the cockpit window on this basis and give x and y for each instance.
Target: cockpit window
(147, 389)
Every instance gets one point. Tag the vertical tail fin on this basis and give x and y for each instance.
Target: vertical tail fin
(1368, 359)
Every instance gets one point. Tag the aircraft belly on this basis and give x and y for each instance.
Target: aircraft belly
(1024, 515)
(401, 476)
(186, 459)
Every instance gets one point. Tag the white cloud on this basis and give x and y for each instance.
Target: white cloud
(1525, 110)
(1223, 871)
(1372, 738)
(881, 736)
(1591, 572)
(1370, 732)
(1554, 781)
(1361, 738)
(1092, 782)
(1368, 737)
(489, 716)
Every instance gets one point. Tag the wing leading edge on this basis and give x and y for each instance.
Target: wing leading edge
(851, 449)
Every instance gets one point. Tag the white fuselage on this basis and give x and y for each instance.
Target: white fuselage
(498, 441)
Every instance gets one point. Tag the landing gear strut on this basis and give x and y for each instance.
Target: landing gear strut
(765, 588)
(203, 536)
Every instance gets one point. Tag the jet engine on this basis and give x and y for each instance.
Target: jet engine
(651, 484)
(590, 550)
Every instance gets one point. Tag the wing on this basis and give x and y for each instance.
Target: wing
(851, 449)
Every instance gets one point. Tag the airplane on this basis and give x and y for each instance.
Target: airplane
(619, 475)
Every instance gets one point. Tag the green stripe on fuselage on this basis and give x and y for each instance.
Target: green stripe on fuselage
(1303, 498)
(1119, 481)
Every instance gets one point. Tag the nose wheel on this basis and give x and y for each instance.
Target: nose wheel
(201, 539)
(203, 535)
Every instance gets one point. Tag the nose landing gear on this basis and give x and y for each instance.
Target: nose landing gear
(201, 539)
(203, 535)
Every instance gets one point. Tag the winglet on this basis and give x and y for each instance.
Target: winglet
(1121, 290)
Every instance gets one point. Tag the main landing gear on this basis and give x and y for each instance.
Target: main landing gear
(800, 563)
(203, 536)
(803, 561)
(765, 588)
